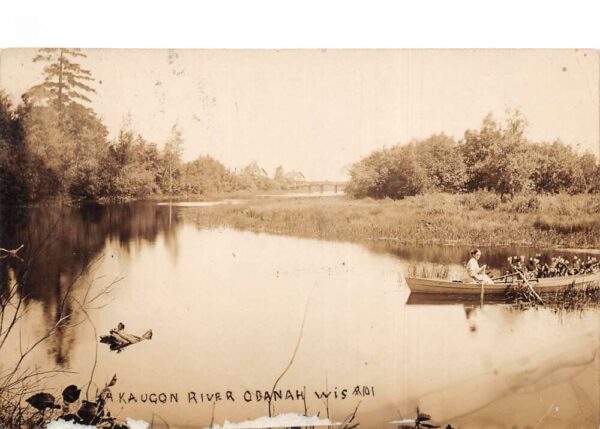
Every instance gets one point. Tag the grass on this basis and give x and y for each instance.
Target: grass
(570, 299)
(469, 219)
(428, 271)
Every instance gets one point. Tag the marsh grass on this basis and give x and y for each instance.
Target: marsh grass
(566, 225)
(470, 219)
(567, 300)
(428, 271)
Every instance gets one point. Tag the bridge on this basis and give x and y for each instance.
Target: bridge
(320, 186)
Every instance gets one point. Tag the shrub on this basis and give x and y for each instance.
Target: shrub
(480, 199)
(393, 173)
(524, 203)
(488, 200)
(568, 226)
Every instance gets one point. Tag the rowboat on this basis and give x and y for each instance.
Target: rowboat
(419, 285)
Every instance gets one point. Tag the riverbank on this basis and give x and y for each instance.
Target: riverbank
(480, 219)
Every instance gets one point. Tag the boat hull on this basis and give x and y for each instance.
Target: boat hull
(546, 285)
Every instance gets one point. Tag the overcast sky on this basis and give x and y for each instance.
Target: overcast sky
(317, 111)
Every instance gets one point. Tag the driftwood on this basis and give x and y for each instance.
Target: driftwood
(119, 339)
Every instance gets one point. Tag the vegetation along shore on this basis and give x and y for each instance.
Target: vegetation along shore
(481, 218)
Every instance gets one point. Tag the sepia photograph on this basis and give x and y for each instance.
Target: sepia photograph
(287, 238)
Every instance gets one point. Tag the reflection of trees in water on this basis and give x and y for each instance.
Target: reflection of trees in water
(60, 245)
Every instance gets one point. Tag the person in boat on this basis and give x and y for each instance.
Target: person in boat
(552, 270)
(475, 272)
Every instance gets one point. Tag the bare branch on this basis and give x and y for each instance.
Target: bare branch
(292, 358)
(95, 342)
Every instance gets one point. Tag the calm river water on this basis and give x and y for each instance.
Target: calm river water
(226, 308)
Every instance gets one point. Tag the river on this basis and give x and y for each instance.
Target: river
(228, 308)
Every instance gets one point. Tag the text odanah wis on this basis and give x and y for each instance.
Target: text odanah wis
(193, 397)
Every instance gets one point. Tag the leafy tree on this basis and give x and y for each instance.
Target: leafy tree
(369, 176)
(205, 175)
(496, 156)
(69, 153)
(172, 152)
(254, 170)
(406, 176)
(476, 152)
(253, 176)
(557, 168)
(443, 163)
(48, 159)
(14, 187)
(86, 135)
(123, 148)
(590, 170)
(279, 173)
(131, 166)
(394, 173)
(152, 159)
(61, 132)
(281, 180)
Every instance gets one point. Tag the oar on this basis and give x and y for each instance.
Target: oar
(518, 271)
(503, 277)
(530, 287)
(482, 292)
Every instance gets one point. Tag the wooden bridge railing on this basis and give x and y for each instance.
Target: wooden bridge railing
(320, 186)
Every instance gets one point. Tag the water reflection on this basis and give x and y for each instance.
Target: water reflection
(61, 242)
(60, 246)
(200, 203)
(226, 307)
(304, 194)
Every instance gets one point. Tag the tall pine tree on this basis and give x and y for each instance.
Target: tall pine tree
(63, 78)
(61, 129)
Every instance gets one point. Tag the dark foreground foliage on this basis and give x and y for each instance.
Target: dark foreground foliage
(43, 407)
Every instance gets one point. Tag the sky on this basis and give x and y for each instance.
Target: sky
(319, 111)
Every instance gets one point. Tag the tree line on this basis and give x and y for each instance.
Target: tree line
(53, 145)
(496, 157)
